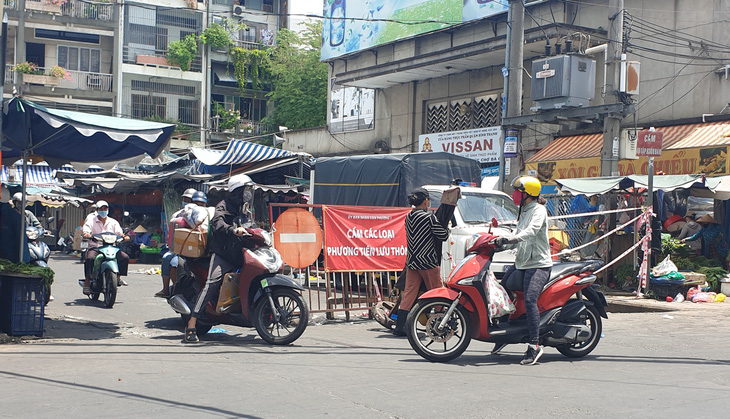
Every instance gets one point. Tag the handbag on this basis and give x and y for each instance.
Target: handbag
(499, 301)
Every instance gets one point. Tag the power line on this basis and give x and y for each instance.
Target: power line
(681, 97)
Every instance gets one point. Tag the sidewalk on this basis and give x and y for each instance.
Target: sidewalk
(631, 304)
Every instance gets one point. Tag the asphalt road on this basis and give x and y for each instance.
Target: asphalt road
(128, 362)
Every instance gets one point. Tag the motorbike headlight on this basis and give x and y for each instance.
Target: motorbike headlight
(268, 241)
(31, 233)
(269, 258)
(466, 281)
(109, 238)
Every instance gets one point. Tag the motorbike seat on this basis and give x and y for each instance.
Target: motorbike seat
(568, 268)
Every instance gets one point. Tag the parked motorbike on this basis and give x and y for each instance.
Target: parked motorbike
(39, 252)
(444, 320)
(105, 273)
(269, 301)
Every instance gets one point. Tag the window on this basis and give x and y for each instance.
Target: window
(79, 59)
(187, 111)
(148, 106)
(464, 113)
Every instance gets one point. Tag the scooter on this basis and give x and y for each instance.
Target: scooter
(39, 253)
(105, 273)
(444, 320)
(269, 301)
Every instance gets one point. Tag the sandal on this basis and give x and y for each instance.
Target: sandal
(191, 336)
(87, 290)
(161, 294)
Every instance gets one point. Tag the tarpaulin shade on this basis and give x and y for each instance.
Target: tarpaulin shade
(65, 136)
(386, 179)
(667, 183)
(239, 152)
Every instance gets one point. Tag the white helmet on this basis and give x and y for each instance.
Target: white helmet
(189, 193)
(17, 196)
(238, 181)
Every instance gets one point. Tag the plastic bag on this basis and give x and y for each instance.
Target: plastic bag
(720, 298)
(703, 297)
(665, 267)
(499, 302)
(229, 294)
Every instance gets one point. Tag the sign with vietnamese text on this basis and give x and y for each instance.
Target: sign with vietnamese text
(364, 238)
(649, 143)
(481, 144)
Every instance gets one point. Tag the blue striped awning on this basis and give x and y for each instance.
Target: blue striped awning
(39, 175)
(239, 152)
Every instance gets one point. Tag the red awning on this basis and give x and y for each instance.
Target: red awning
(675, 137)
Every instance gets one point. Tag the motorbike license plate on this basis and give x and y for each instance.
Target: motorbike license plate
(84, 245)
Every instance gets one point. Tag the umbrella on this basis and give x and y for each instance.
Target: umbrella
(64, 137)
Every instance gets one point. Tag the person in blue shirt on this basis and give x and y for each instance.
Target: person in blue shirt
(714, 244)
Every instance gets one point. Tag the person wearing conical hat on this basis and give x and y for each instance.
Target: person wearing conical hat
(140, 236)
(714, 243)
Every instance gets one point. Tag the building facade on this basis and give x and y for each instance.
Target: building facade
(113, 57)
(451, 79)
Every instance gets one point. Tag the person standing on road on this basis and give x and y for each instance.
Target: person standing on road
(231, 218)
(423, 232)
(533, 259)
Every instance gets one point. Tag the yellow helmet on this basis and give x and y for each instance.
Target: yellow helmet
(527, 184)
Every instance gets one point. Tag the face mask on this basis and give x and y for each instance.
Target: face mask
(102, 214)
(517, 197)
(184, 204)
(247, 196)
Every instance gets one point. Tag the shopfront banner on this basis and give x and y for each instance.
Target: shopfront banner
(364, 238)
(481, 144)
(710, 161)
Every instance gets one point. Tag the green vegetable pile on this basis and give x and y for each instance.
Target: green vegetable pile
(8, 267)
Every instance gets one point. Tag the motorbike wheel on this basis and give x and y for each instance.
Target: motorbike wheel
(94, 296)
(110, 288)
(579, 350)
(431, 343)
(293, 317)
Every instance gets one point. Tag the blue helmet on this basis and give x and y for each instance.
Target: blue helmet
(199, 196)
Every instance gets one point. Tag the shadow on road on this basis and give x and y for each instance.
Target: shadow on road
(67, 328)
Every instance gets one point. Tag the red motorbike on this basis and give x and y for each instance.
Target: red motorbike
(444, 320)
(269, 301)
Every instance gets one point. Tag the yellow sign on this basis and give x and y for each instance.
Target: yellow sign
(711, 161)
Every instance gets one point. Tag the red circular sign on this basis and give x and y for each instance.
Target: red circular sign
(298, 237)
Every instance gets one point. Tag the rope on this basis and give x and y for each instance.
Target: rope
(567, 251)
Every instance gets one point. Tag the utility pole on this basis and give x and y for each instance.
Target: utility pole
(514, 57)
(612, 122)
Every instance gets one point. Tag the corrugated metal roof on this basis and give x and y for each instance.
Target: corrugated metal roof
(674, 137)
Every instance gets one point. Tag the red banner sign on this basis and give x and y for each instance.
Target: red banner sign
(649, 143)
(364, 238)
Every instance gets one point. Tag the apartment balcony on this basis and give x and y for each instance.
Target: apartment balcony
(78, 80)
(135, 54)
(71, 8)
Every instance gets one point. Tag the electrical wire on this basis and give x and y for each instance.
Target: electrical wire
(679, 98)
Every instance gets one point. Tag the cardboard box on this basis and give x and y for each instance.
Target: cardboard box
(188, 243)
(76, 245)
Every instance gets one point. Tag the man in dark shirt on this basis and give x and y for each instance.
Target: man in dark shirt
(232, 216)
(423, 233)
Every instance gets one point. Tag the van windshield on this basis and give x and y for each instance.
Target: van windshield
(476, 208)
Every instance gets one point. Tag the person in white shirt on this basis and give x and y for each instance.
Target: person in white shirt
(99, 224)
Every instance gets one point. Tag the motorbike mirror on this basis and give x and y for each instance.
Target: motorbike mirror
(50, 220)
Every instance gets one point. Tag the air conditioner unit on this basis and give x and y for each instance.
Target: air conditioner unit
(238, 10)
(627, 149)
(562, 81)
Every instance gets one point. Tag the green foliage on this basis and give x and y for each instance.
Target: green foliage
(713, 276)
(248, 65)
(228, 118)
(684, 264)
(671, 246)
(299, 79)
(8, 267)
(26, 68)
(181, 53)
(216, 37)
(625, 274)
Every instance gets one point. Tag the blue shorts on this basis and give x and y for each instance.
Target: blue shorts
(168, 259)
